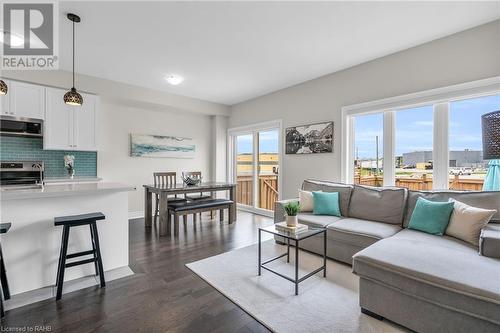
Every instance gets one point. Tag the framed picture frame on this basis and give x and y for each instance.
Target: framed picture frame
(316, 138)
(142, 145)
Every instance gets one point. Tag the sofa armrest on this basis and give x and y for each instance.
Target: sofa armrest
(489, 241)
(279, 209)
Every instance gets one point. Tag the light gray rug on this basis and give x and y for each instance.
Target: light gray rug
(323, 305)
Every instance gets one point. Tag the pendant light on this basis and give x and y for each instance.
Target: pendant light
(3, 87)
(72, 97)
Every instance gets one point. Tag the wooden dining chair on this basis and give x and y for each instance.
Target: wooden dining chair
(198, 196)
(165, 179)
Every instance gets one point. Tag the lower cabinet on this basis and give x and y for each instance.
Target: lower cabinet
(69, 127)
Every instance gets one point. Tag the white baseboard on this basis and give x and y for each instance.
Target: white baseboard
(38, 295)
(136, 215)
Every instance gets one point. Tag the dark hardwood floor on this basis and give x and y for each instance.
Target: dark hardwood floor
(163, 295)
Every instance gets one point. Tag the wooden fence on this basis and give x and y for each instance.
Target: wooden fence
(422, 183)
(268, 191)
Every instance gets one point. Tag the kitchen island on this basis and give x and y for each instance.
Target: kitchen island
(31, 248)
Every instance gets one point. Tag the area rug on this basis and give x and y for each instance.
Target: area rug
(323, 305)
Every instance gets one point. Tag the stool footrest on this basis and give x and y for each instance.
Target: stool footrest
(79, 254)
(81, 262)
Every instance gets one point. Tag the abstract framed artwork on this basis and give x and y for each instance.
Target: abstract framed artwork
(309, 139)
(161, 146)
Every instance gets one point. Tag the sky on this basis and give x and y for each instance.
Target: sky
(268, 142)
(414, 127)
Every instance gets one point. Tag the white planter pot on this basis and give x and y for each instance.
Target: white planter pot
(291, 221)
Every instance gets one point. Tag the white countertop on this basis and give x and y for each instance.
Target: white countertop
(65, 190)
(55, 180)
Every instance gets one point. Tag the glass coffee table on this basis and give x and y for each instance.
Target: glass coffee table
(295, 238)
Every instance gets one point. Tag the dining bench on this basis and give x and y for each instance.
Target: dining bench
(193, 207)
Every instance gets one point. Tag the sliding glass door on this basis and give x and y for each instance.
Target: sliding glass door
(244, 169)
(268, 168)
(255, 166)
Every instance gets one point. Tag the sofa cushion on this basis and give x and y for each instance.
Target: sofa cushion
(306, 201)
(359, 232)
(466, 222)
(325, 186)
(381, 204)
(431, 217)
(316, 220)
(485, 200)
(489, 241)
(440, 270)
(326, 203)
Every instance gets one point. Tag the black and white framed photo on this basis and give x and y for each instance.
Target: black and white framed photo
(310, 139)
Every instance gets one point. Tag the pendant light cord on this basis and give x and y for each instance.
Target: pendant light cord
(73, 54)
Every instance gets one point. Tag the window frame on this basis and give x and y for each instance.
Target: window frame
(439, 98)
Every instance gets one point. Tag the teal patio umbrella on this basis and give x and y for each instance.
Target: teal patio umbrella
(492, 180)
(491, 149)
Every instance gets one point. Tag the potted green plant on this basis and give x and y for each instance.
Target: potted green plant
(292, 209)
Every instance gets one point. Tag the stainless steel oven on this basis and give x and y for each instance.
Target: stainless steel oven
(21, 175)
(27, 127)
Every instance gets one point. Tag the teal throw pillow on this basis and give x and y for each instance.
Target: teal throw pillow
(326, 203)
(431, 217)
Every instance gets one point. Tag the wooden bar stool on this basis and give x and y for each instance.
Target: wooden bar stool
(73, 221)
(4, 228)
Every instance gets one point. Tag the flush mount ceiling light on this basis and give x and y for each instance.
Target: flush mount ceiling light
(72, 97)
(174, 79)
(3, 88)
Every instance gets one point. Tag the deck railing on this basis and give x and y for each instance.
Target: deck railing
(422, 183)
(268, 191)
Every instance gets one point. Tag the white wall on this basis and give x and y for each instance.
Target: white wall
(466, 56)
(114, 163)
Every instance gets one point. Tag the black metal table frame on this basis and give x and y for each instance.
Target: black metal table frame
(295, 280)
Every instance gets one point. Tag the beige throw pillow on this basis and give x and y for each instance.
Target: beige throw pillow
(306, 201)
(466, 222)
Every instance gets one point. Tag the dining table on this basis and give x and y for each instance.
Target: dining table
(166, 192)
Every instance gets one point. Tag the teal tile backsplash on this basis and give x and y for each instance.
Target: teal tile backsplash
(30, 149)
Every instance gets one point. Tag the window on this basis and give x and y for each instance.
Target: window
(368, 143)
(467, 168)
(426, 140)
(413, 148)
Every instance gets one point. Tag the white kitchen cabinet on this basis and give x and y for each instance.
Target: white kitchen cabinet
(85, 124)
(58, 124)
(24, 100)
(69, 127)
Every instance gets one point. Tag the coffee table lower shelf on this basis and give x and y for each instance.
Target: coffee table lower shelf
(295, 238)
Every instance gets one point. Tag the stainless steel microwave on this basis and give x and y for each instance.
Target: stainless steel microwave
(11, 126)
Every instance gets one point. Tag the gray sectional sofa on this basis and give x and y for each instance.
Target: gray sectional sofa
(424, 282)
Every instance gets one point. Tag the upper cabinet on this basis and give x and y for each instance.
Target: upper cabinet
(65, 127)
(23, 100)
(69, 127)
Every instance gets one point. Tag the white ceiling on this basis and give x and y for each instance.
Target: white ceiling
(229, 52)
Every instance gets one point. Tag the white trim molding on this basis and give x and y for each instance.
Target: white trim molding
(440, 151)
(444, 94)
(439, 98)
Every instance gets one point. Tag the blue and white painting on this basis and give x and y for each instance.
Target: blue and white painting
(161, 146)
